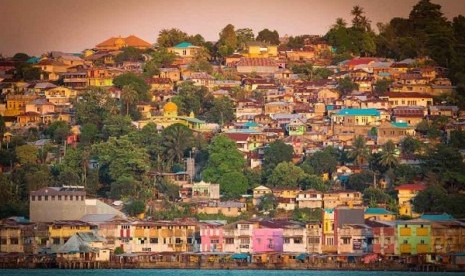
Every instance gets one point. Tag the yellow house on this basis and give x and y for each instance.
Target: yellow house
(286, 192)
(16, 104)
(99, 77)
(185, 52)
(260, 50)
(409, 99)
(60, 231)
(328, 240)
(405, 194)
(51, 69)
(379, 214)
(413, 237)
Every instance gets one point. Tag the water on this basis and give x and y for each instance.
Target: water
(190, 272)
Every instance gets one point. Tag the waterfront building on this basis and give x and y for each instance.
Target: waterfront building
(60, 232)
(384, 236)
(405, 194)
(238, 236)
(211, 236)
(413, 237)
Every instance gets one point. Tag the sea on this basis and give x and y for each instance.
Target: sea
(200, 272)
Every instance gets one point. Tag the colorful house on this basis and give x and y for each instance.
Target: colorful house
(357, 117)
(405, 194)
(267, 239)
(185, 52)
(60, 231)
(211, 237)
(413, 237)
(379, 214)
(384, 236)
(260, 50)
(258, 192)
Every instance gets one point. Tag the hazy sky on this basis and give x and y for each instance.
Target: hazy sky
(37, 26)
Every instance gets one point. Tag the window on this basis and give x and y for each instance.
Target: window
(56, 240)
(214, 241)
(422, 241)
(287, 240)
(245, 227)
(33, 198)
(245, 240)
(178, 240)
(297, 240)
(345, 240)
(14, 241)
(329, 241)
(153, 240)
(3, 241)
(314, 240)
(229, 240)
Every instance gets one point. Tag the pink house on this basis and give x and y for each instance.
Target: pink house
(211, 237)
(267, 240)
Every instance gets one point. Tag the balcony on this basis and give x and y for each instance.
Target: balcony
(405, 248)
(405, 231)
(422, 231)
(422, 248)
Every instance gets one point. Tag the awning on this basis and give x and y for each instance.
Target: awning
(240, 256)
(302, 257)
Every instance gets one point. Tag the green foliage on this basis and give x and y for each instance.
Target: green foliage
(360, 181)
(313, 182)
(95, 106)
(26, 154)
(160, 58)
(227, 42)
(222, 111)
(374, 197)
(359, 152)
(135, 208)
(457, 139)
(89, 134)
(21, 57)
(405, 173)
(192, 98)
(275, 153)
(129, 54)
(268, 36)
(286, 174)
(136, 82)
(176, 139)
(30, 177)
(388, 155)
(118, 251)
(225, 162)
(320, 162)
(346, 86)
(267, 203)
(171, 37)
(382, 86)
(307, 214)
(58, 131)
(168, 189)
(243, 36)
(117, 126)
(432, 199)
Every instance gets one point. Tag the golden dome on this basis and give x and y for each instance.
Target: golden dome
(170, 107)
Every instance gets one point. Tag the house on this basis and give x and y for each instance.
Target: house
(160, 84)
(227, 208)
(171, 73)
(405, 194)
(310, 199)
(51, 69)
(394, 131)
(61, 231)
(257, 49)
(117, 43)
(413, 237)
(99, 77)
(444, 110)
(211, 236)
(411, 115)
(333, 199)
(379, 214)
(384, 236)
(447, 236)
(267, 238)
(408, 99)
(84, 246)
(185, 52)
(258, 192)
(238, 236)
(314, 234)
(205, 191)
(354, 239)
(261, 66)
(356, 117)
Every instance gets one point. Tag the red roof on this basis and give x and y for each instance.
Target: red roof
(238, 136)
(256, 62)
(411, 187)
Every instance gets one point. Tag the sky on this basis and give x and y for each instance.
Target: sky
(38, 26)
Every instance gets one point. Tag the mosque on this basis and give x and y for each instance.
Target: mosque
(170, 116)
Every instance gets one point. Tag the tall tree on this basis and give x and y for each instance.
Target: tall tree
(359, 152)
(268, 36)
(227, 43)
(129, 96)
(275, 153)
(176, 139)
(286, 174)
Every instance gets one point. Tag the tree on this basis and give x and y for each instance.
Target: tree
(135, 208)
(117, 126)
(129, 96)
(233, 184)
(432, 199)
(137, 83)
(95, 106)
(374, 197)
(388, 155)
(243, 36)
(346, 86)
(26, 154)
(176, 139)
(359, 151)
(312, 182)
(129, 54)
(267, 203)
(171, 37)
(409, 146)
(225, 161)
(268, 36)
(307, 214)
(58, 131)
(320, 162)
(360, 181)
(222, 111)
(158, 59)
(227, 43)
(21, 57)
(286, 174)
(275, 153)
(192, 98)
(382, 86)
(89, 134)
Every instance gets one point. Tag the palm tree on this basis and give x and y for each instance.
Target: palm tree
(129, 96)
(176, 139)
(359, 152)
(340, 23)
(357, 12)
(388, 156)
